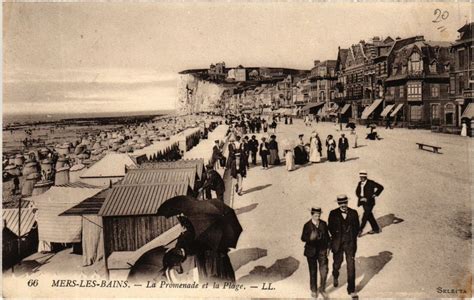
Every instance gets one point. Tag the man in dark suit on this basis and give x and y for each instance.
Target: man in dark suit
(366, 191)
(316, 236)
(216, 154)
(343, 145)
(343, 226)
(246, 151)
(253, 147)
(213, 182)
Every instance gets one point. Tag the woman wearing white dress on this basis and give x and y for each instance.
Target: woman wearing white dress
(315, 148)
(290, 160)
(464, 129)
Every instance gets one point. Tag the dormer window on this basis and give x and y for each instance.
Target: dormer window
(433, 67)
(415, 64)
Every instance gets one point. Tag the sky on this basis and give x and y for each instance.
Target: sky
(91, 57)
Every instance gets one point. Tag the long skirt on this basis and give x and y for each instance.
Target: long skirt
(314, 155)
(215, 266)
(332, 155)
(274, 159)
(290, 161)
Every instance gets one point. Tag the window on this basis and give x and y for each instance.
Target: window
(414, 91)
(435, 112)
(404, 69)
(392, 90)
(322, 97)
(332, 95)
(415, 63)
(435, 90)
(460, 82)
(449, 114)
(461, 54)
(402, 91)
(452, 85)
(433, 68)
(415, 112)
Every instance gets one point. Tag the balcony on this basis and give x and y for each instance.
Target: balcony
(468, 94)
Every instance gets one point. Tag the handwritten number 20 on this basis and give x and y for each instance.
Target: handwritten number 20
(440, 15)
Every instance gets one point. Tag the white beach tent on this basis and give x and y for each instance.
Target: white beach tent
(110, 168)
(53, 228)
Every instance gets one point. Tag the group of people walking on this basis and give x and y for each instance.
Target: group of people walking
(313, 151)
(339, 235)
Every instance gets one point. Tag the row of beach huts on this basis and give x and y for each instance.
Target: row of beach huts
(110, 206)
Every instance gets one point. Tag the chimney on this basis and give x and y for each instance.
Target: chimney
(316, 63)
(62, 176)
(29, 184)
(41, 187)
(376, 39)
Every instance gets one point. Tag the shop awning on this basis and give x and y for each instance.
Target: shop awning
(312, 105)
(370, 109)
(396, 110)
(468, 112)
(386, 110)
(345, 109)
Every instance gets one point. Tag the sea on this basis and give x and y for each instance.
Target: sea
(33, 118)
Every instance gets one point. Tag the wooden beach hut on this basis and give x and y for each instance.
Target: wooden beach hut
(110, 168)
(92, 233)
(54, 228)
(129, 214)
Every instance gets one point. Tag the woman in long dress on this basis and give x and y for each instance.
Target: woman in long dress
(273, 147)
(464, 129)
(289, 160)
(315, 147)
(331, 148)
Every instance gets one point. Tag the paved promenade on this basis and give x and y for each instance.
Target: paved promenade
(425, 213)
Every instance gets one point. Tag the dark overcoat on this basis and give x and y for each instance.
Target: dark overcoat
(371, 189)
(336, 228)
(320, 240)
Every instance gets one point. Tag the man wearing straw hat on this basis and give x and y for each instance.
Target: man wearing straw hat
(367, 190)
(316, 236)
(343, 225)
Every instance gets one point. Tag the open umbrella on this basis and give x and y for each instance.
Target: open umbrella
(215, 224)
(188, 206)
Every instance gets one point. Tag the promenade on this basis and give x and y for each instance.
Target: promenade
(425, 213)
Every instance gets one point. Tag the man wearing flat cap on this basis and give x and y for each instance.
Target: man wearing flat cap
(367, 190)
(316, 236)
(343, 226)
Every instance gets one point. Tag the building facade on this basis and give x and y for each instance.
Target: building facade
(462, 76)
(418, 85)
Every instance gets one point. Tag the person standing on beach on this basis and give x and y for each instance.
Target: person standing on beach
(331, 148)
(216, 154)
(214, 182)
(238, 171)
(316, 237)
(253, 147)
(264, 151)
(343, 226)
(367, 190)
(343, 145)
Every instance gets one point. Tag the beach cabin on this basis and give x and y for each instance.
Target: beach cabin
(111, 168)
(92, 233)
(178, 164)
(13, 229)
(187, 174)
(129, 214)
(54, 228)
